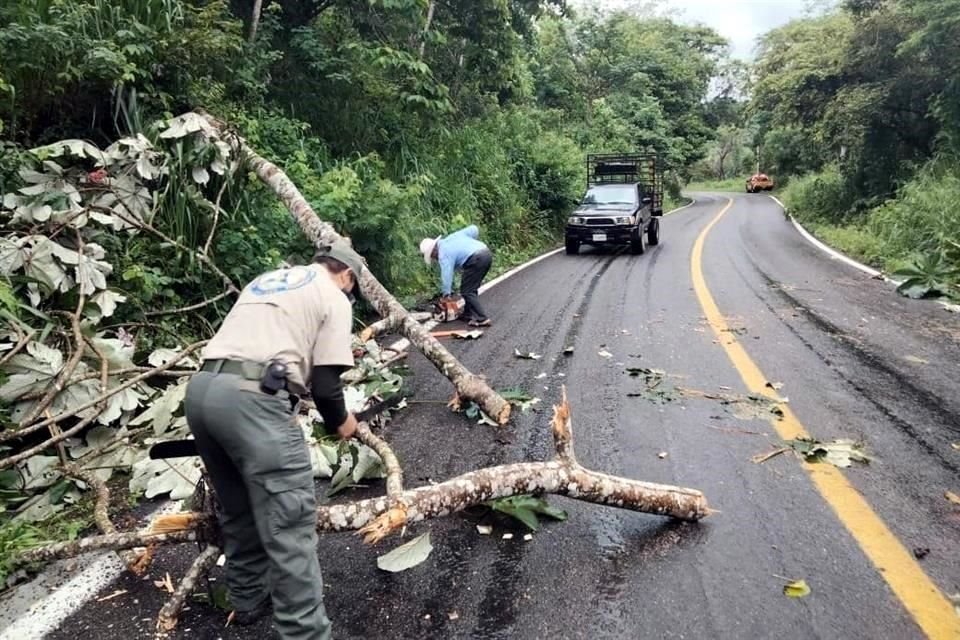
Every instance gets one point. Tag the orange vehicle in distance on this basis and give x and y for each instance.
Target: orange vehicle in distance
(759, 182)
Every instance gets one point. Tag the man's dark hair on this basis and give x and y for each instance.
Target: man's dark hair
(332, 264)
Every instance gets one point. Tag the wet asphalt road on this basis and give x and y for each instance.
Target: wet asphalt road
(855, 360)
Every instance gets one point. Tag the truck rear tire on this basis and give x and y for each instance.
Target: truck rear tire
(636, 243)
(573, 247)
(653, 232)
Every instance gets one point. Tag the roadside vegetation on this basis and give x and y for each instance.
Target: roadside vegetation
(124, 234)
(735, 183)
(857, 111)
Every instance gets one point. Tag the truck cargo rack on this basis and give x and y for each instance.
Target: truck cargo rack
(628, 168)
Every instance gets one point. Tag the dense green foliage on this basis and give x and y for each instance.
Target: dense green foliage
(862, 102)
(126, 227)
(397, 118)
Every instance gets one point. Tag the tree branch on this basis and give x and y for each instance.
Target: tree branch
(5, 436)
(146, 226)
(24, 341)
(319, 232)
(101, 515)
(216, 205)
(113, 542)
(192, 307)
(170, 612)
(377, 517)
(66, 371)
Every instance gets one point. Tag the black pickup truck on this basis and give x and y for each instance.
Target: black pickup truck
(623, 203)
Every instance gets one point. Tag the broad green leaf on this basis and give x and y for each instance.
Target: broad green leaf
(369, 464)
(343, 477)
(160, 412)
(177, 476)
(407, 555)
(107, 301)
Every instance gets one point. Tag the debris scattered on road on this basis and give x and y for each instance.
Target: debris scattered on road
(519, 398)
(760, 458)
(749, 407)
(955, 445)
(796, 589)
(507, 536)
(776, 386)
(915, 360)
(952, 497)
(528, 537)
(652, 377)
(840, 453)
(603, 353)
(568, 351)
(459, 334)
(735, 430)
(407, 555)
(484, 529)
(165, 584)
(222, 560)
(526, 355)
(453, 616)
(541, 376)
(920, 552)
(113, 595)
(662, 455)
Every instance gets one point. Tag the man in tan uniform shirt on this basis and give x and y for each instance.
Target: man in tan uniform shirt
(288, 333)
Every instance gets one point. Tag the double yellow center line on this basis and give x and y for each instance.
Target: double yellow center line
(920, 596)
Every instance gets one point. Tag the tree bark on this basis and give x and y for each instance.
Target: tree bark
(255, 19)
(320, 233)
(378, 517)
(170, 612)
(115, 542)
(426, 28)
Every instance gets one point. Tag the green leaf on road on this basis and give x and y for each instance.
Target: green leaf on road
(796, 589)
(840, 453)
(525, 509)
(407, 555)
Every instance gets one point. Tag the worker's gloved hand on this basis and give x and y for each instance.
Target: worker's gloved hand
(348, 428)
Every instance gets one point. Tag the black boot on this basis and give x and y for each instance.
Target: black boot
(247, 618)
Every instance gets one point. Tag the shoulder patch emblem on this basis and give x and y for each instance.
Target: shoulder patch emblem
(282, 280)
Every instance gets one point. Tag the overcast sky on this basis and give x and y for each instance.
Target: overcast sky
(740, 21)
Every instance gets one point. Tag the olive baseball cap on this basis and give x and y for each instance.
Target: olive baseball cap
(342, 252)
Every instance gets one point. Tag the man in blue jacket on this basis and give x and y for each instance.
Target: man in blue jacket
(462, 251)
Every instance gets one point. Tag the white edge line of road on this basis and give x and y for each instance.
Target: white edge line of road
(46, 614)
(836, 255)
(62, 600)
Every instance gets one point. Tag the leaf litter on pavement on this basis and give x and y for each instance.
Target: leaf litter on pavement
(840, 453)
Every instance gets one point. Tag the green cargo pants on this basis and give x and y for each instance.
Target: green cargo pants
(260, 468)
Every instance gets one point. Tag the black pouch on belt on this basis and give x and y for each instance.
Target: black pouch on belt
(274, 377)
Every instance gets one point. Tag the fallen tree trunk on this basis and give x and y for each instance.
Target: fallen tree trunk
(377, 517)
(561, 476)
(467, 384)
